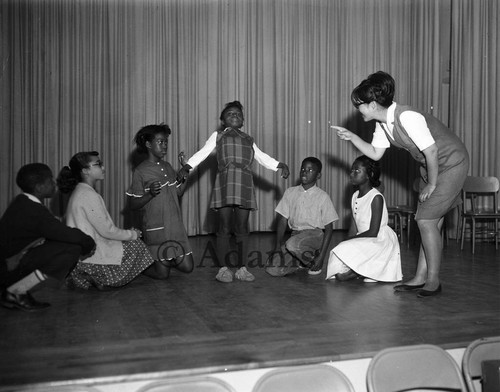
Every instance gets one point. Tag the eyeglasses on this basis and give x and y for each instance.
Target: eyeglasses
(97, 163)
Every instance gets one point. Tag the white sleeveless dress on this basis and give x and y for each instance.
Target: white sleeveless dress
(377, 258)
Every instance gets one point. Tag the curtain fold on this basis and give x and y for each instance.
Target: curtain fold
(83, 75)
(475, 77)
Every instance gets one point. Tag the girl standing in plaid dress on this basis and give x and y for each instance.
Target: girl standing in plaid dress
(233, 194)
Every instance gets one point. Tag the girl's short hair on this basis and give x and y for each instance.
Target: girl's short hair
(372, 169)
(71, 175)
(378, 87)
(148, 133)
(234, 104)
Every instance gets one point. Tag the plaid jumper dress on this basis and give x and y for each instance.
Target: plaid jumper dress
(234, 181)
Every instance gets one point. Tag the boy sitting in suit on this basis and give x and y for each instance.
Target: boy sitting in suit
(309, 212)
(35, 245)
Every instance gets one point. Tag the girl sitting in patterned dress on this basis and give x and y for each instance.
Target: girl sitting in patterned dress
(120, 255)
(233, 194)
(155, 191)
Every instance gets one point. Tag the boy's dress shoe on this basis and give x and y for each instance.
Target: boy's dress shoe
(408, 287)
(21, 301)
(349, 275)
(429, 293)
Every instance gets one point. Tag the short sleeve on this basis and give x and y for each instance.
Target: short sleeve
(416, 128)
(329, 214)
(283, 207)
(136, 188)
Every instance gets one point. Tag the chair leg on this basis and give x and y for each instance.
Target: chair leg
(496, 234)
(473, 235)
(400, 217)
(463, 234)
(408, 228)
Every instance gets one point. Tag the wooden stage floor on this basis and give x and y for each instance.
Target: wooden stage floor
(192, 324)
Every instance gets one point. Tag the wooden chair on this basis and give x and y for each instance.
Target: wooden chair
(408, 368)
(480, 204)
(315, 378)
(189, 384)
(403, 215)
(476, 352)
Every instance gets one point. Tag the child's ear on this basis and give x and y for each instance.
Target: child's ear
(318, 176)
(148, 144)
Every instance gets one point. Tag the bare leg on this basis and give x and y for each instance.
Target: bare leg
(185, 263)
(429, 257)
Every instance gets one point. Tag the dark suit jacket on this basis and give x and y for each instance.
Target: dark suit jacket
(25, 221)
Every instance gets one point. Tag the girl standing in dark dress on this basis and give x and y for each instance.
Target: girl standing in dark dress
(155, 192)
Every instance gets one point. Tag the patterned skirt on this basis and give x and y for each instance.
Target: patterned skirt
(136, 258)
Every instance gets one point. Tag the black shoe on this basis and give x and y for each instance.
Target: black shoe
(349, 275)
(429, 293)
(408, 287)
(22, 302)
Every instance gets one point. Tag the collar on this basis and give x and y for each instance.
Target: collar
(33, 198)
(311, 189)
(390, 116)
(237, 131)
(85, 185)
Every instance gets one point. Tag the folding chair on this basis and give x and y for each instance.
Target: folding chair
(476, 352)
(315, 378)
(408, 368)
(189, 384)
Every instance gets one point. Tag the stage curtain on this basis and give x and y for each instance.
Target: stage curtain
(475, 79)
(82, 75)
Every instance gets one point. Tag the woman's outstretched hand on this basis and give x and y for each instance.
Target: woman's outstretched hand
(342, 133)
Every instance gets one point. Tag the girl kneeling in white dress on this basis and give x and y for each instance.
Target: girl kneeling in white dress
(372, 250)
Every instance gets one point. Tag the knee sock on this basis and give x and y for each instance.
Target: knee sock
(27, 283)
(242, 249)
(223, 249)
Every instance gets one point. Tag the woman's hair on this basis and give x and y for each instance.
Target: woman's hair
(148, 133)
(71, 175)
(234, 104)
(372, 169)
(378, 87)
